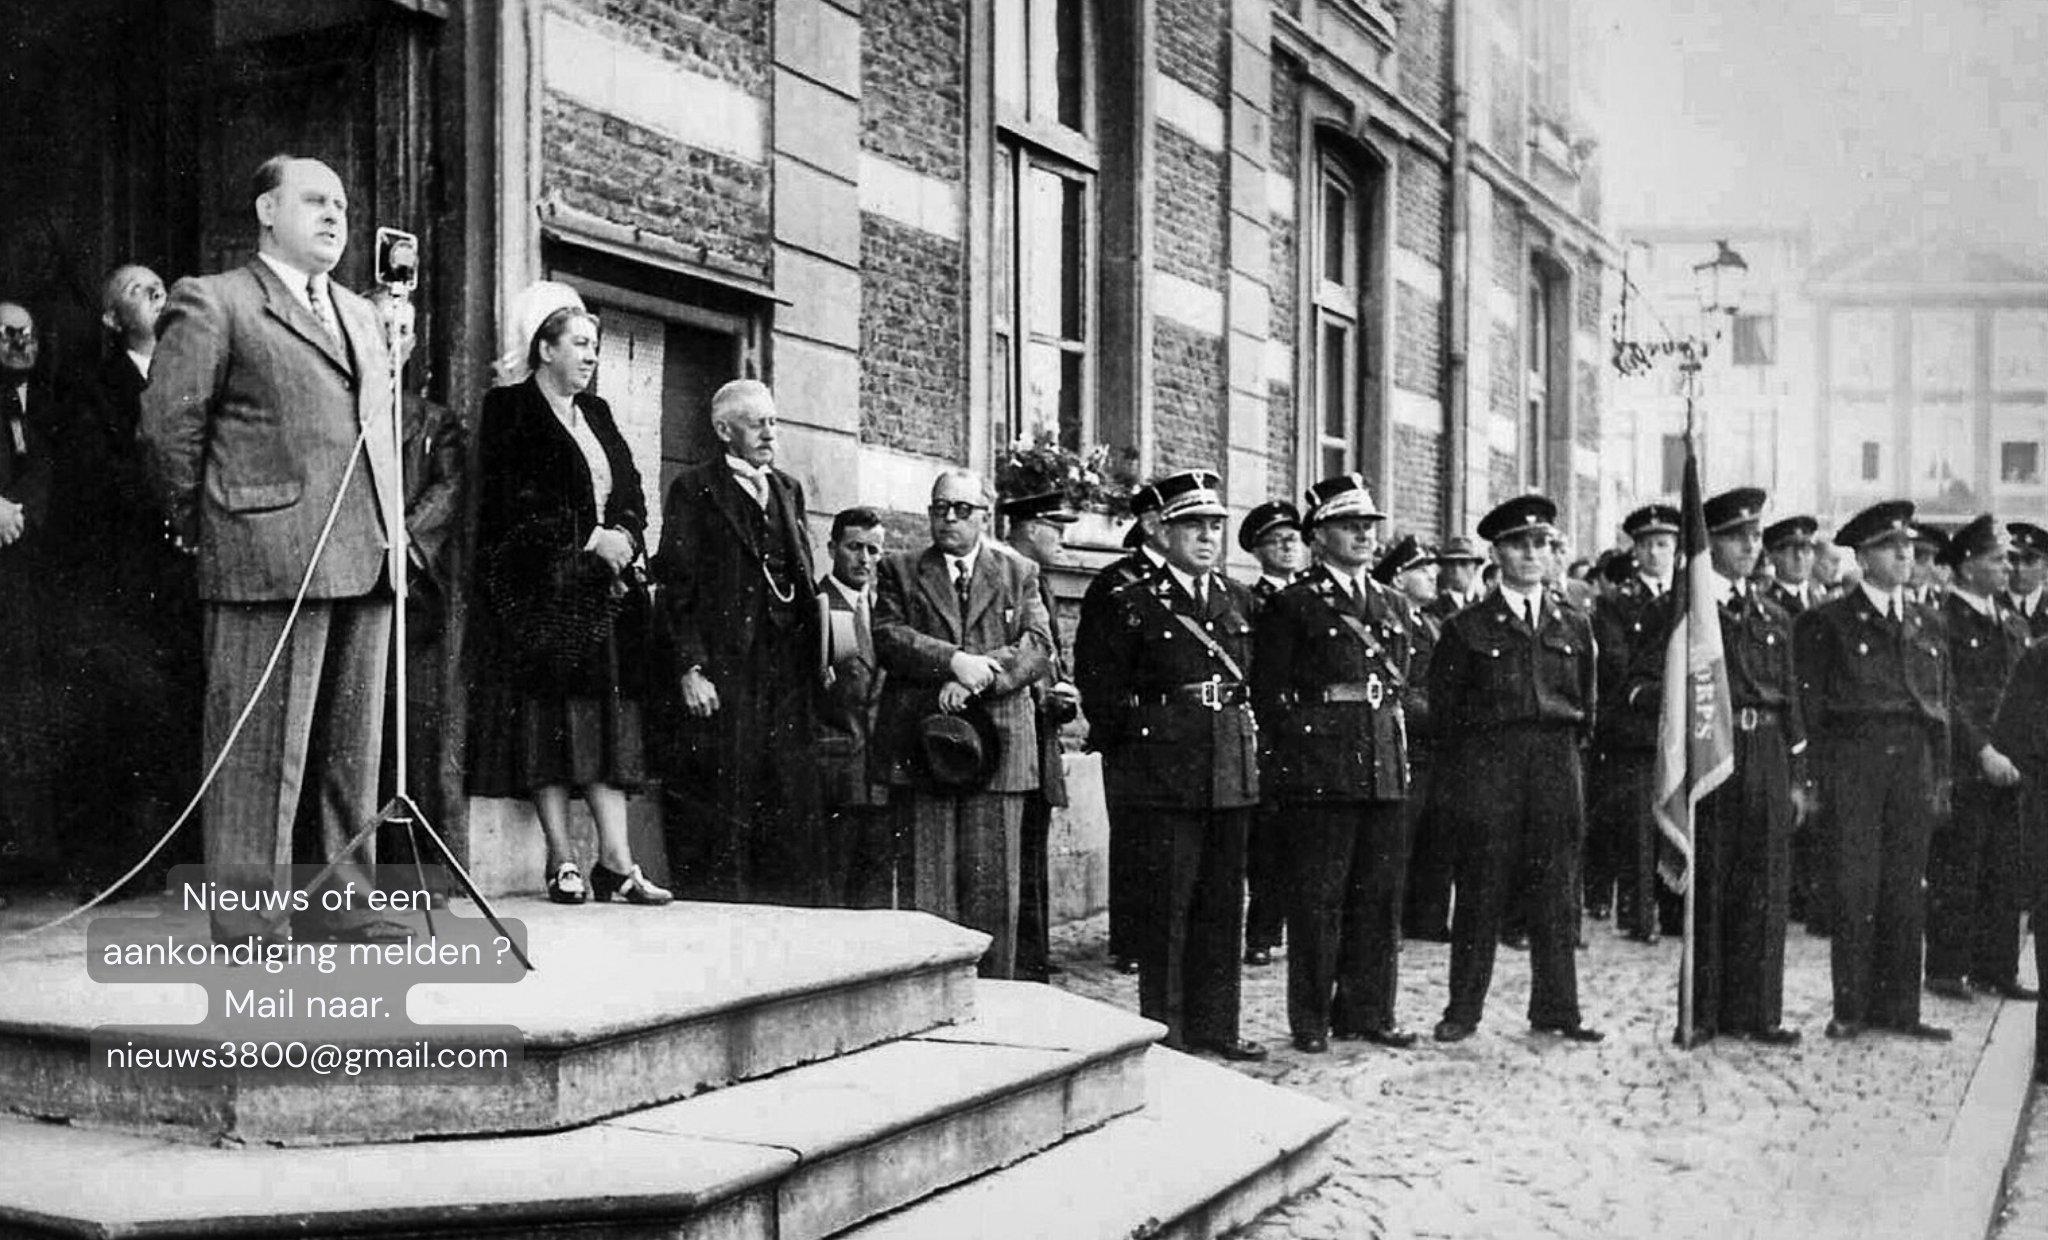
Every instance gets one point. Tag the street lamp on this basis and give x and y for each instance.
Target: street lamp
(1718, 286)
(1720, 281)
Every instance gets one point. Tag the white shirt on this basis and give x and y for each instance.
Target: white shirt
(141, 361)
(753, 481)
(2028, 603)
(295, 281)
(1278, 583)
(600, 465)
(1528, 606)
(1887, 603)
(1353, 582)
(1187, 583)
(957, 564)
(1978, 603)
(1657, 585)
(1157, 557)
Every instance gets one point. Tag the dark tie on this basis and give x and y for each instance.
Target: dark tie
(960, 589)
(1202, 595)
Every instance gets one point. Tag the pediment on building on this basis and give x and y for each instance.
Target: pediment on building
(1917, 266)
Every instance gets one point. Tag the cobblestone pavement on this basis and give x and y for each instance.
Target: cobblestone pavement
(2025, 1216)
(1513, 1134)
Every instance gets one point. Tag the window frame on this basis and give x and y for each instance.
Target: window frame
(1354, 310)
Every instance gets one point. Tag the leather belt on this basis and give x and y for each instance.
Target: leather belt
(1213, 694)
(1372, 691)
(1750, 718)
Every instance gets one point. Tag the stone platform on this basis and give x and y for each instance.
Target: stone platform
(700, 1071)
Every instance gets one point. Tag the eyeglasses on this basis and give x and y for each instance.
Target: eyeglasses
(955, 509)
(17, 335)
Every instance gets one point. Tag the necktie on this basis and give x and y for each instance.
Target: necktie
(1202, 595)
(316, 297)
(960, 587)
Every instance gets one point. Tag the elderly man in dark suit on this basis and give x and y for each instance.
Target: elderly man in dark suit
(25, 471)
(960, 626)
(266, 417)
(859, 830)
(742, 624)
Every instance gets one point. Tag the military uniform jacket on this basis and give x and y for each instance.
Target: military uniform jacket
(1757, 645)
(1983, 650)
(1330, 675)
(1105, 718)
(1794, 599)
(2037, 622)
(1856, 667)
(1490, 672)
(1170, 748)
(1619, 629)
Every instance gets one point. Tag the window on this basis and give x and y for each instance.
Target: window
(1341, 316)
(1872, 457)
(1546, 333)
(1043, 321)
(1756, 339)
(2019, 463)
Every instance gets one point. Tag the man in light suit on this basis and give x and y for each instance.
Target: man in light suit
(859, 830)
(268, 409)
(959, 625)
(741, 620)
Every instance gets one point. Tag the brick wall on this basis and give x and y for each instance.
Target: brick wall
(913, 85)
(1418, 341)
(621, 172)
(1188, 377)
(1192, 38)
(1508, 256)
(1509, 118)
(1421, 184)
(1423, 38)
(1504, 377)
(1417, 500)
(722, 39)
(1190, 206)
(1502, 478)
(912, 308)
(1281, 430)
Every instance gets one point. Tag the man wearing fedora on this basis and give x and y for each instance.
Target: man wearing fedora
(1172, 656)
(1875, 684)
(1331, 666)
(1621, 844)
(1977, 860)
(1742, 832)
(1512, 692)
(962, 633)
(1457, 576)
(1271, 534)
(1130, 869)
(1035, 527)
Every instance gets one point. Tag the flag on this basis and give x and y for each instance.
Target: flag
(1695, 732)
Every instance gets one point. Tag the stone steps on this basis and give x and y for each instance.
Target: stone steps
(801, 1155)
(1210, 1151)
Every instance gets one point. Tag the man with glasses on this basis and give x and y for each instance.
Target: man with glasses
(739, 610)
(962, 631)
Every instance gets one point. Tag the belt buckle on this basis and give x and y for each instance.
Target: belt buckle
(1212, 693)
(1746, 718)
(1375, 692)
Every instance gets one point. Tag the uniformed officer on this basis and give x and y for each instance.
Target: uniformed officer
(2021, 732)
(1512, 695)
(2029, 568)
(1173, 655)
(1977, 859)
(1129, 883)
(1409, 569)
(1788, 544)
(1330, 669)
(1271, 534)
(1621, 852)
(1875, 684)
(1427, 902)
(1742, 831)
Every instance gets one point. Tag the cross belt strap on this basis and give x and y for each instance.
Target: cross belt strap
(1372, 645)
(1210, 644)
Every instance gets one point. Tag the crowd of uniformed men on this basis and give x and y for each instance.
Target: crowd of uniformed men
(1378, 743)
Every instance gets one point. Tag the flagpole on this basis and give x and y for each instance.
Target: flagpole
(1689, 369)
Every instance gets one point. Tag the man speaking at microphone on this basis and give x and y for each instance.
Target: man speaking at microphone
(264, 380)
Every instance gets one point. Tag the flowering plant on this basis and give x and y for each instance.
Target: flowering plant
(1098, 479)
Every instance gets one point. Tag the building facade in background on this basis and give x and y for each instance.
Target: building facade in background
(1754, 404)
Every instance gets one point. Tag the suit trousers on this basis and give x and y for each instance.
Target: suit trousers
(1515, 801)
(1350, 865)
(1623, 837)
(1427, 897)
(1976, 876)
(965, 862)
(1034, 900)
(863, 859)
(1188, 976)
(1133, 872)
(1742, 878)
(1266, 878)
(310, 750)
(1878, 782)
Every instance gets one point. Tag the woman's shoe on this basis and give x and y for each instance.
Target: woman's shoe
(567, 886)
(633, 887)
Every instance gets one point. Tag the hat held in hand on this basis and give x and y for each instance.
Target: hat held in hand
(956, 752)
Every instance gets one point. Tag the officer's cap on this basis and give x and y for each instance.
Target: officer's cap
(1274, 514)
(1405, 555)
(1649, 519)
(1190, 494)
(1731, 510)
(1459, 549)
(1979, 537)
(1892, 519)
(2028, 538)
(1790, 531)
(1046, 506)
(1522, 515)
(1335, 498)
(1932, 538)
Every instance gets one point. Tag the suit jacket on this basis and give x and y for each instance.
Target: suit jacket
(1983, 650)
(715, 594)
(1333, 750)
(435, 449)
(250, 419)
(1490, 672)
(918, 629)
(2037, 622)
(26, 471)
(1166, 750)
(846, 714)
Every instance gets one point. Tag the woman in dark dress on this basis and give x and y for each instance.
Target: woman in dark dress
(559, 533)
